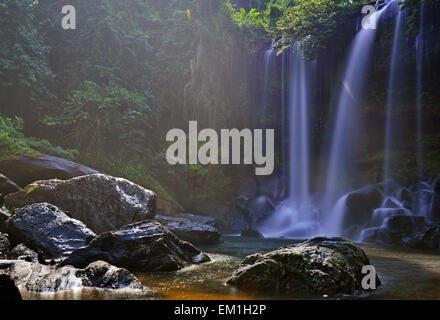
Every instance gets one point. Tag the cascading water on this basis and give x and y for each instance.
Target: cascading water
(269, 57)
(391, 93)
(342, 145)
(294, 217)
(419, 59)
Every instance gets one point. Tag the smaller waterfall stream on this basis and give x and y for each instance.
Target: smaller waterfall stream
(342, 145)
(294, 217)
(392, 87)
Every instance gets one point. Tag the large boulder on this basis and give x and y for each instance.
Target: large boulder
(7, 186)
(8, 289)
(144, 246)
(187, 230)
(26, 170)
(5, 246)
(360, 205)
(43, 278)
(102, 202)
(44, 227)
(316, 266)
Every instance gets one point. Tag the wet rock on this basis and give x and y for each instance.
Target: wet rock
(42, 278)
(8, 290)
(21, 252)
(360, 205)
(404, 225)
(429, 238)
(251, 233)
(194, 232)
(5, 246)
(144, 246)
(44, 227)
(102, 202)
(7, 186)
(27, 170)
(316, 266)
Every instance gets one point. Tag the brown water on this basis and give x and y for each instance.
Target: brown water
(405, 274)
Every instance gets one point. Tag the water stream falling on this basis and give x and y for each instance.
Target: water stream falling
(269, 58)
(344, 131)
(419, 61)
(294, 217)
(391, 92)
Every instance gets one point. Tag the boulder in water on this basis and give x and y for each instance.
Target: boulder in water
(44, 227)
(144, 246)
(187, 230)
(102, 202)
(316, 266)
(26, 170)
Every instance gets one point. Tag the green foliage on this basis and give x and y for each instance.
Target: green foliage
(103, 118)
(13, 143)
(314, 23)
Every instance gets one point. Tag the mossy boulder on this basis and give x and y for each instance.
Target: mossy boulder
(316, 266)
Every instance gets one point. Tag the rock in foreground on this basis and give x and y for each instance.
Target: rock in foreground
(144, 246)
(44, 227)
(316, 266)
(42, 278)
(187, 230)
(102, 202)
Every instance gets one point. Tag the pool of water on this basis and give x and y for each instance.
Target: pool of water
(405, 274)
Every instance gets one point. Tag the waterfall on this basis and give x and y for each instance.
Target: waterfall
(345, 125)
(419, 59)
(390, 94)
(294, 217)
(269, 57)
